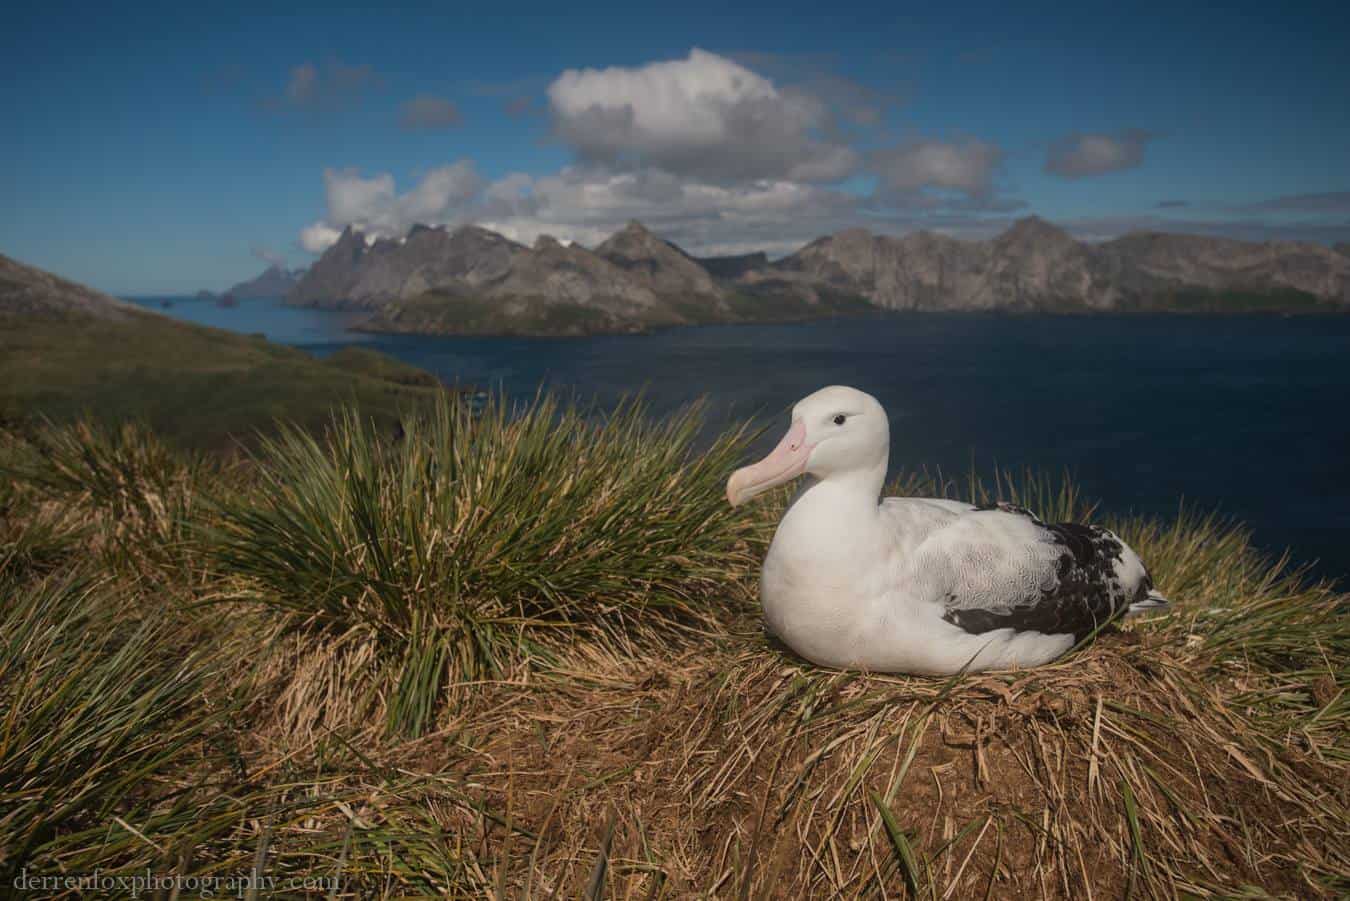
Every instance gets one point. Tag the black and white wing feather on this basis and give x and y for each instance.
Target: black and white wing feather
(1000, 567)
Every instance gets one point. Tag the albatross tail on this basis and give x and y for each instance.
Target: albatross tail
(1154, 600)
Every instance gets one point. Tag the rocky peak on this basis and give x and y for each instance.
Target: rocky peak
(1035, 231)
(662, 266)
(632, 240)
(470, 237)
(350, 236)
(350, 245)
(857, 234)
(477, 231)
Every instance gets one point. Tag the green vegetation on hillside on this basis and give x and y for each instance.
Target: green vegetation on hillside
(441, 314)
(438, 314)
(519, 653)
(1193, 300)
(195, 386)
(773, 306)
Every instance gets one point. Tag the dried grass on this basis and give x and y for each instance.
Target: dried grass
(1200, 753)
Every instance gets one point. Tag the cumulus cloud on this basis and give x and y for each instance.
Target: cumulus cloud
(428, 113)
(579, 203)
(374, 207)
(586, 204)
(1078, 155)
(704, 116)
(707, 151)
(904, 173)
(848, 102)
(319, 236)
(312, 88)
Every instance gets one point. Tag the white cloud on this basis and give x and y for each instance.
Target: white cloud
(353, 200)
(373, 206)
(586, 204)
(705, 151)
(582, 204)
(966, 167)
(512, 189)
(440, 192)
(318, 237)
(1079, 155)
(704, 116)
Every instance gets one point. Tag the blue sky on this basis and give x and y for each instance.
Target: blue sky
(163, 149)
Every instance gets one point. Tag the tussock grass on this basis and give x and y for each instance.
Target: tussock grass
(475, 538)
(96, 714)
(133, 496)
(516, 656)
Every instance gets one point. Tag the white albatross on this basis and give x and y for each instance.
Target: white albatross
(915, 585)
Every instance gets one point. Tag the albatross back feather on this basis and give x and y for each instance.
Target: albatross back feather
(1001, 567)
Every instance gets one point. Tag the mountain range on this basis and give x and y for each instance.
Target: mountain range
(472, 280)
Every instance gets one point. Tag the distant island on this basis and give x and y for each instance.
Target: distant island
(274, 281)
(470, 280)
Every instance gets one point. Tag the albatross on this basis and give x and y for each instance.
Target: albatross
(919, 585)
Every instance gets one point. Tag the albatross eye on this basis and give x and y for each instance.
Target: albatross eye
(839, 419)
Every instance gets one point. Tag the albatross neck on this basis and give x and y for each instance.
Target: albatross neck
(847, 497)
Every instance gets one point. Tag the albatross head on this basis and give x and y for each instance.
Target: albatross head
(835, 432)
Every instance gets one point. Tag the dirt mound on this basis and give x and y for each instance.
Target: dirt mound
(736, 771)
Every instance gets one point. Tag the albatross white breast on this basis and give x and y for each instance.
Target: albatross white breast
(917, 585)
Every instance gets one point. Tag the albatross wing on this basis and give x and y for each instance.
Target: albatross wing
(1006, 569)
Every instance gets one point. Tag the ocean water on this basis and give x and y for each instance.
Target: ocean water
(286, 325)
(1245, 415)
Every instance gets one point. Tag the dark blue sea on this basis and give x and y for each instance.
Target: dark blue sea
(1245, 415)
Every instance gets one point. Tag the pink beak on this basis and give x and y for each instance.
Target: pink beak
(784, 462)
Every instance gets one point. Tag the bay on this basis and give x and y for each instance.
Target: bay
(1243, 415)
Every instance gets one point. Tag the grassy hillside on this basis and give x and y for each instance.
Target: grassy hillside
(518, 654)
(440, 314)
(196, 387)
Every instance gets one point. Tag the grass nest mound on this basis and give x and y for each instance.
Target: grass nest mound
(736, 772)
(643, 740)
